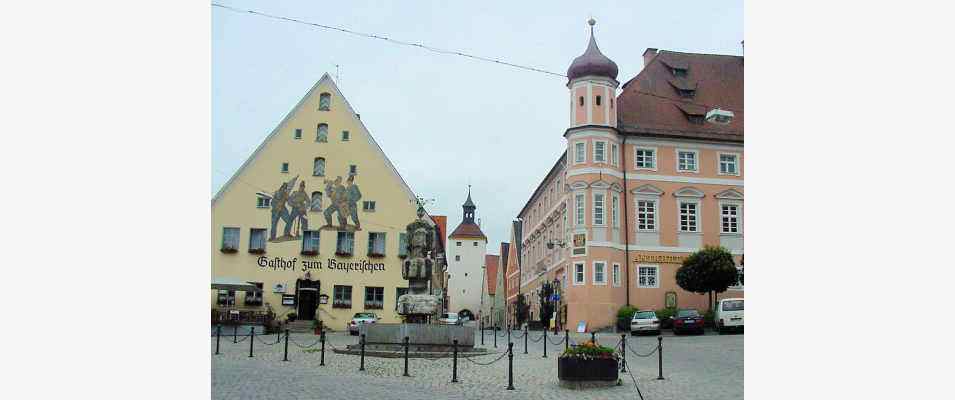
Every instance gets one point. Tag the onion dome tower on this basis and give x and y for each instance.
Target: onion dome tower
(592, 80)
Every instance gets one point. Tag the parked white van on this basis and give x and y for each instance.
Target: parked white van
(729, 315)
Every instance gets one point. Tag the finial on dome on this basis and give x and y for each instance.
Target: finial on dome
(591, 21)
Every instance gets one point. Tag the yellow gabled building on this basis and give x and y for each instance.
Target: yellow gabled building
(316, 212)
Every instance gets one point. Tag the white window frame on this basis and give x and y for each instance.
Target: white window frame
(696, 158)
(583, 273)
(699, 214)
(580, 209)
(656, 216)
(615, 274)
(603, 159)
(654, 159)
(614, 154)
(579, 153)
(604, 265)
(656, 279)
(719, 163)
(603, 209)
(615, 210)
(739, 217)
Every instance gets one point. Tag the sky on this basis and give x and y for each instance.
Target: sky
(444, 121)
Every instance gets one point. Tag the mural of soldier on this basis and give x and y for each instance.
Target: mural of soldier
(353, 196)
(279, 199)
(339, 202)
(299, 203)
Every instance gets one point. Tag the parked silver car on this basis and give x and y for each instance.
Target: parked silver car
(450, 319)
(645, 321)
(361, 318)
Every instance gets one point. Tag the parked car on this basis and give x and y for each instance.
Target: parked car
(729, 315)
(450, 319)
(359, 319)
(687, 320)
(645, 321)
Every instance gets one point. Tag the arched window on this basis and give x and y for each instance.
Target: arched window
(598, 100)
(322, 135)
(318, 169)
(581, 101)
(324, 102)
(316, 202)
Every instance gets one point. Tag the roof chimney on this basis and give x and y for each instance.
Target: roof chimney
(648, 55)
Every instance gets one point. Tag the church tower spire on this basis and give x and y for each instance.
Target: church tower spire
(468, 209)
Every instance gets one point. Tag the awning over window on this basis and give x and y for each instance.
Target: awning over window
(226, 283)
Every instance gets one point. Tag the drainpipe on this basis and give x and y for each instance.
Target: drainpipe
(626, 219)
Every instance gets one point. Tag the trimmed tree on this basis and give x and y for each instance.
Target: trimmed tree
(706, 271)
(546, 305)
(522, 309)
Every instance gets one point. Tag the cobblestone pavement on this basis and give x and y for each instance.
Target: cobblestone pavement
(694, 367)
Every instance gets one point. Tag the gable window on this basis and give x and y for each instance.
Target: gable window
(257, 241)
(341, 297)
(680, 72)
(580, 152)
(615, 211)
(352, 170)
(346, 136)
(316, 202)
(402, 244)
(310, 242)
(376, 244)
(616, 274)
(322, 133)
(646, 215)
(298, 133)
(598, 100)
(579, 209)
(346, 244)
(686, 160)
(324, 102)
(614, 154)
(648, 276)
(598, 209)
(729, 164)
(600, 149)
(263, 202)
(285, 168)
(254, 298)
(600, 273)
(729, 215)
(579, 273)
(646, 158)
(230, 240)
(688, 93)
(401, 291)
(368, 206)
(318, 167)
(689, 215)
(374, 298)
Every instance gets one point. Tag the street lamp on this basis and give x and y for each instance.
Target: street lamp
(552, 243)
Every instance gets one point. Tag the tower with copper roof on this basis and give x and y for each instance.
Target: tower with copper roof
(592, 80)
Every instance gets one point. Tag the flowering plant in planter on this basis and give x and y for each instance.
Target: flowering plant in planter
(589, 351)
(343, 253)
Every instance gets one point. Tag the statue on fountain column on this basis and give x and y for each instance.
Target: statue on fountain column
(418, 269)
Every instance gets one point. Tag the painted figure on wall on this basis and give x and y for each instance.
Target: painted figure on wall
(343, 201)
(299, 216)
(354, 194)
(279, 211)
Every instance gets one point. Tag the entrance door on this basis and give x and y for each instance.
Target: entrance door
(307, 301)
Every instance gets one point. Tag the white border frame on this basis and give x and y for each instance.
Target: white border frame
(656, 214)
(593, 265)
(616, 267)
(614, 158)
(657, 267)
(739, 216)
(593, 209)
(676, 153)
(739, 166)
(574, 155)
(656, 158)
(583, 281)
(699, 214)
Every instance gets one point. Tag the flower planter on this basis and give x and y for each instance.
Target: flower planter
(577, 369)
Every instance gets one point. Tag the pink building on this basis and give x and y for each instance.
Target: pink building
(648, 177)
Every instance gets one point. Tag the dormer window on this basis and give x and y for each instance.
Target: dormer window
(681, 72)
(686, 92)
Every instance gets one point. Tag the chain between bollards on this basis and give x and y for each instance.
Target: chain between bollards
(286, 347)
(660, 356)
(251, 339)
(525, 339)
(322, 363)
(362, 366)
(510, 366)
(623, 352)
(218, 333)
(406, 357)
(454, 364)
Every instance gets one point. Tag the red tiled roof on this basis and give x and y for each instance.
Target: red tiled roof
(490, 271)
(649, 104)
(441, 221)
(468, 230)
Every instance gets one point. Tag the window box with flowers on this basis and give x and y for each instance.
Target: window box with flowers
(257, 251)
(588, 362)
(228, 249)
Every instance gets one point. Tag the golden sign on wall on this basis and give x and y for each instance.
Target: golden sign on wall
(659, 259)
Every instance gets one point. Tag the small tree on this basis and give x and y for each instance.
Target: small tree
(708, 270)
(546, 305)
(521, 311)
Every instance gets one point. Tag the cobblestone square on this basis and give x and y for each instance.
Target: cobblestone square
(694, 367)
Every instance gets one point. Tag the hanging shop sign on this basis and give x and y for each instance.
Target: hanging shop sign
(292, 264)
(323, 299)
(288, 299)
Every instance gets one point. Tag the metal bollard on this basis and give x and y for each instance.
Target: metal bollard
(525, 340)
(566, 339)
(495, 337)
(362, 366)
(509, 334)
(482, 333)
(218, 333)
(454, 364)
(322, 363)
(251, 339)
(510, 366)
(545, 344)
(623, 351)
(660, 356)
(235, 333)
(406, 357)
(286, 346)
